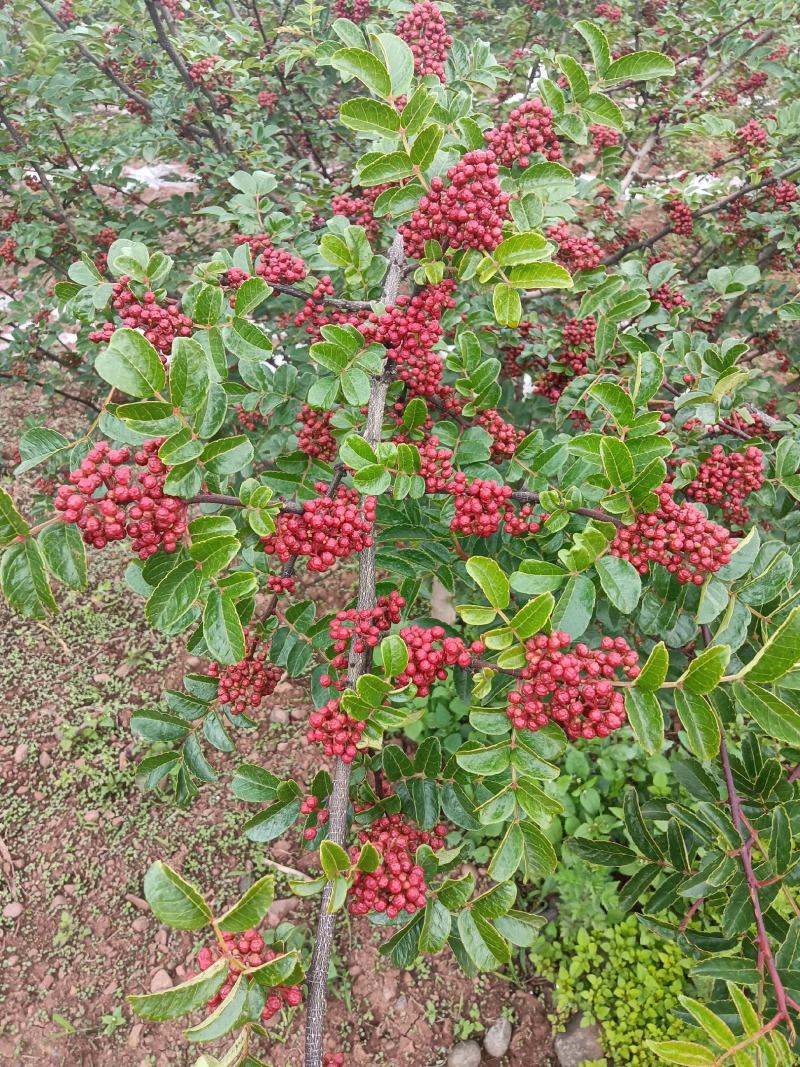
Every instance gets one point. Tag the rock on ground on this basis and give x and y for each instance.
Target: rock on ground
(498, 1038)
(578, 1043)
(465, 1054)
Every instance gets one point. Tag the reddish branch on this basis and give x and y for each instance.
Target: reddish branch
(709, 209)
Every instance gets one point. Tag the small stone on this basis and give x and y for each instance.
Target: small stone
(135, 1034)
(298, 714)
(13, 910)
(123, 670)
(20, 752)
(101, 678)
(137, 902)
(45, 759)
(92, 816)
(279, 715)
(139, 924)
(498, 1038)
(465, 1054)
(160, 981)
(578, 1043)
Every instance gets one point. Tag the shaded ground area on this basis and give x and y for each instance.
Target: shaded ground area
(76, 836)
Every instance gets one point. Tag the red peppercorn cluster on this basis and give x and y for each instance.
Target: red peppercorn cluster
(310, 806)
(356, 11)
(608, 11)
(669, 298)
(529, 129)
(8, 251)
(467, 210)
(425, 32)
(251, 420)
(677, 536)
(280, 584)
(160, 325)
(430, 653)
(397, 884)
(751, 135)
(410, 330)
(575, 253)
(358, 208)
(361, 630)
(575, 688)
(316, 315)
(245, 684)
(336, 1059)
(201, 68)
(245, 951)
(680, 215)
(275, 265)
(579, 333)
(725, 480)
(333, 728)
(603, 137)
(327, 529)
(505, 437)
(268, 100)
(173, 7)
(436, 465)
(66, 11)
(315, 437)
(134, 504)
(783, 194)
(481, 506)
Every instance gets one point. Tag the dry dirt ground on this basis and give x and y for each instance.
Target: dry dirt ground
(76, 836)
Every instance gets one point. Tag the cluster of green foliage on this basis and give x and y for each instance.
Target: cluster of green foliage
(621, 976)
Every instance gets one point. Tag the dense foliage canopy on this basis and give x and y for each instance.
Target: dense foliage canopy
(498, 303)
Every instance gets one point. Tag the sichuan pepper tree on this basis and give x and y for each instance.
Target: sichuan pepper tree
(480, 364)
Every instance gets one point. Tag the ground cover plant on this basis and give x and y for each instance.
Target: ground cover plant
(494, 309)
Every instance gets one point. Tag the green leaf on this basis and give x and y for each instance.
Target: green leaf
(700, 723)
(183, 998)
(247, 341)
(621, 583)
(24, 581)
(617, 461)
(37, 445)
(228, 455)
(131, 364)
(578, 82)
(779, 655)
(273, 821)
(159, 726)
(12, 524)
(688, 1053)
(333, 859)
(654, 671)
(64, 554)
(601, 853)
(174, 901)
(540, 276)
(392, 167)
(394, 655)
(639, 66)
(519, 249)
(574, 608)
(426, 145)
(491, 580)
(646, 719)
(507, 305)
(716, 1028)
(250, 294)
(772, 714)
(251, 908)
(366, 67)
(705, 671)
(538, 855)
(532, 617)
(508, 855)
(222, 628)
(598, 45)
(369, 116)
(172, 598)
(226, 1016)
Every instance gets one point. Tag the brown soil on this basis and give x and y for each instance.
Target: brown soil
(76, 836)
